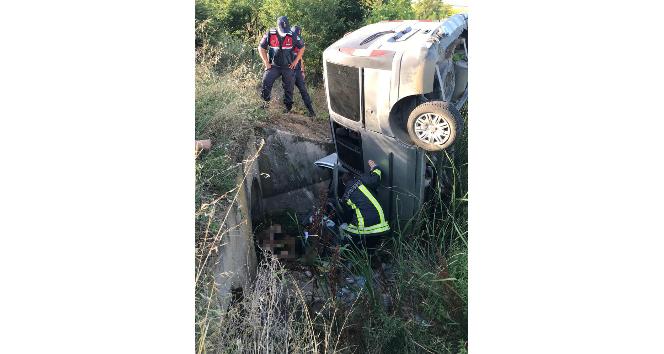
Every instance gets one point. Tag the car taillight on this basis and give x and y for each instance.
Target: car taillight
(358, 52)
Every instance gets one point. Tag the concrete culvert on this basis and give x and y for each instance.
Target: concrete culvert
(288, 177)
(282, 178)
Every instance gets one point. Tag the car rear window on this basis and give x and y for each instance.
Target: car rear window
(344, 86)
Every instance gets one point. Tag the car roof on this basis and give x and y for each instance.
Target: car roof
(400, 34)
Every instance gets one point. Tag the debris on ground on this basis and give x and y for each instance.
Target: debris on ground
(201, 145)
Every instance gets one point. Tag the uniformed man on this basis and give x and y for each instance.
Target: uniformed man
(299, 76)
(276, 50)
(364, 216)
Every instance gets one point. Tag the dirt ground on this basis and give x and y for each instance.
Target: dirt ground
(296, 121)
(316, 128)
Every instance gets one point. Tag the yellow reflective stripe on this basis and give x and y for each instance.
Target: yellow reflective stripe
(377, 171)
(358, 214)
(370, 230)
(382, 224)
(375, 203)
(384, 228)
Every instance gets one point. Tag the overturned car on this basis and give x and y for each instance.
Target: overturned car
(394, 91)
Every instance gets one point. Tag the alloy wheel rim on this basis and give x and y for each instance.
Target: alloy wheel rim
(432, 128)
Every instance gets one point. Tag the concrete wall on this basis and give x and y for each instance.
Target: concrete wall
(283, 176)
(289, 178)
(236, 263)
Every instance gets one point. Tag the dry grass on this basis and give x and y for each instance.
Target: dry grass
(271, 315)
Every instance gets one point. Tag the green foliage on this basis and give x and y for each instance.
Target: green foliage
(210, 16)
(242, 19)
(222, 100)
(458, 56)
(390, 10)
(323, 21)
(236, 19)
(226, 106)
(431, 9)
(246, 21)
(215, 172)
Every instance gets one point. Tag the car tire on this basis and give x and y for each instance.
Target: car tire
(434, 125)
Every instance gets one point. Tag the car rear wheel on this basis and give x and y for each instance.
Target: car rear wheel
(434, 125)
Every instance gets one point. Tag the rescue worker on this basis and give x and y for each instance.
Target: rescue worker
(367, 219)
(299, 76)
(276, 49)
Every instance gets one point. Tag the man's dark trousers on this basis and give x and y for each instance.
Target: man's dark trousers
(287, 82)
(299, 82)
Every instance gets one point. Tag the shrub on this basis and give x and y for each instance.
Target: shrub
(391, 10)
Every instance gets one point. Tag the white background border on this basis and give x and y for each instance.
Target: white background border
(96, 138)
(97, 111)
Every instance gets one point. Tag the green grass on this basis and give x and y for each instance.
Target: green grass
(226, 103)
(227, 106)
(429, 292)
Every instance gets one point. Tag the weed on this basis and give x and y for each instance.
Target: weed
(429, 290)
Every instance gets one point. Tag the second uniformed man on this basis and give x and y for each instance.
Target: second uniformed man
(299, 76)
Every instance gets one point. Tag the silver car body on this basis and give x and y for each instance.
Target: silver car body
(372, 79)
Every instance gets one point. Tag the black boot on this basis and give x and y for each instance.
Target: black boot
(311, 112)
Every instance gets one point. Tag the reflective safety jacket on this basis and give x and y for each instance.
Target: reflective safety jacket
(280, 49)
(367, 214)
